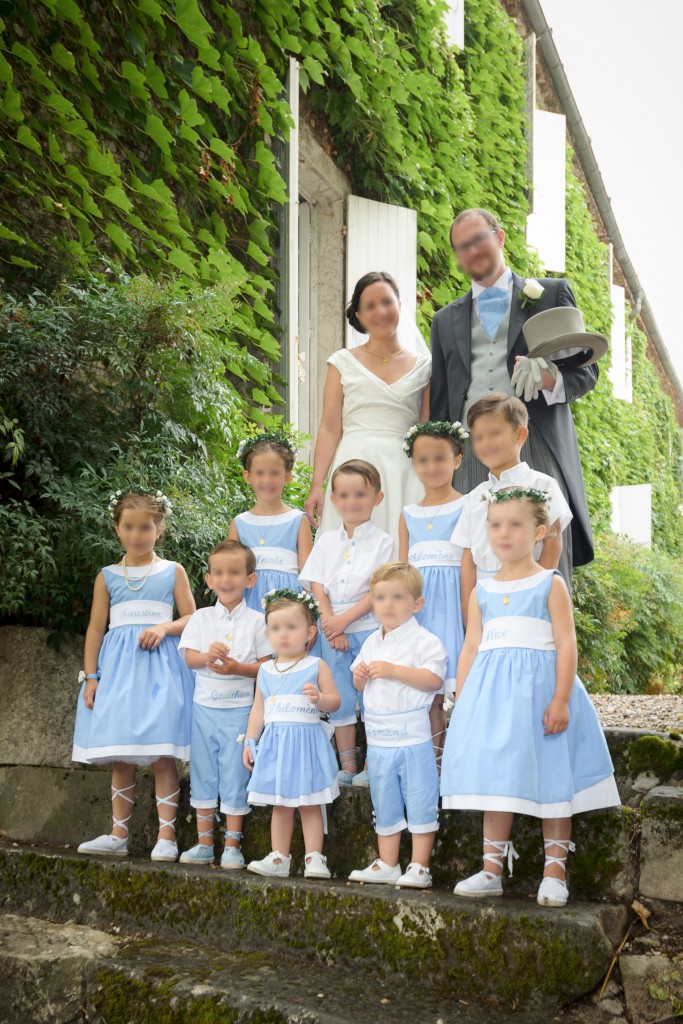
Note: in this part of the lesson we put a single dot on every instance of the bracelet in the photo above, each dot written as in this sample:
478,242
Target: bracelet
92,675
253,747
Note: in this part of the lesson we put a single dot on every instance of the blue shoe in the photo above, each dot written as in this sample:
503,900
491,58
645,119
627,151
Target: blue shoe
232,859
344,778
362,779
199,854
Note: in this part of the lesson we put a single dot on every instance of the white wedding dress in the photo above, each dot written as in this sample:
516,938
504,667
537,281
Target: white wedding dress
375,417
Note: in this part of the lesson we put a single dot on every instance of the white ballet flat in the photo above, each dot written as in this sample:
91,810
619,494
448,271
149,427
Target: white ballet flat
106,846
377,873
165,851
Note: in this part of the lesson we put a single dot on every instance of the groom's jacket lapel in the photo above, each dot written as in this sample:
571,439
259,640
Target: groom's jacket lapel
461,327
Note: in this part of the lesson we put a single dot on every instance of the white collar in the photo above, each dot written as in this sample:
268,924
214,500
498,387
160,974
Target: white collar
511,475
224,613
362,530
504,282
402,630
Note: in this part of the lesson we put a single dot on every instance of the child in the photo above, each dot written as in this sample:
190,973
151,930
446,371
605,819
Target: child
524,736
225,645
424,532
293,764
136,699
339,570
279,536
498,426
399,669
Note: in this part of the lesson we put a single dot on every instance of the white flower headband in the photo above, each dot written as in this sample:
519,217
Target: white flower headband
433,428
293,595
161,500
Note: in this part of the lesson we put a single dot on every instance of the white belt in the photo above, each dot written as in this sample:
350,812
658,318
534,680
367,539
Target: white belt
516,631
399,729
139,613
229,694
282,559
434,552
364,625
290,708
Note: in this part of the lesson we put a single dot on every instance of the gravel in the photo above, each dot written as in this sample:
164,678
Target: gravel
660,712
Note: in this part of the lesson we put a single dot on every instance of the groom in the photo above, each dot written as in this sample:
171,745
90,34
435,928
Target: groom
476,342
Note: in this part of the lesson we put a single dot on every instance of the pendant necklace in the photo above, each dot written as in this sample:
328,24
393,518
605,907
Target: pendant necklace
506,598
283,675
144,578
383,359
430,524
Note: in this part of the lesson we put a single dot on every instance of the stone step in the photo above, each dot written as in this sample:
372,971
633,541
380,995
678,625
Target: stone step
507,954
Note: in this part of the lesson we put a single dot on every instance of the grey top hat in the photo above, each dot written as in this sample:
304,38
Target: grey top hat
559,334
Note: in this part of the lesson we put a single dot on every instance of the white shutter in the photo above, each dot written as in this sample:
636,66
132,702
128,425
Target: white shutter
292,325
620,348
381,237
546,222
454,18
632,512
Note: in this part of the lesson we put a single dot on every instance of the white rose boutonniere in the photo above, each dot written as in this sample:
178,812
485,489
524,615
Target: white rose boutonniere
531,292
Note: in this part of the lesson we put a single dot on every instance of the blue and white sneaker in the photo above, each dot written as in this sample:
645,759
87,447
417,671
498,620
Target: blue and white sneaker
199,854
362,779
232,859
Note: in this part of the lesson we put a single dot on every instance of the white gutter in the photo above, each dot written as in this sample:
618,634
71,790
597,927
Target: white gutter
584,151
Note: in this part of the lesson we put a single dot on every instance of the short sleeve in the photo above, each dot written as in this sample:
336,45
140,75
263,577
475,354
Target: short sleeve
431,654
559,508
261,641
314,567
387,550
462,534
191,636
337,360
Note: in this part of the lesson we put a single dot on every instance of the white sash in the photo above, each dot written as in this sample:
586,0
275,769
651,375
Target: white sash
282,559
294,708
517,631
366,624
399,729
139,613
228,693
434,552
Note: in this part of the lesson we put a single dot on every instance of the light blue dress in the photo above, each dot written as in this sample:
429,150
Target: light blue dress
295,764
143,704
273,539
431,551
496,756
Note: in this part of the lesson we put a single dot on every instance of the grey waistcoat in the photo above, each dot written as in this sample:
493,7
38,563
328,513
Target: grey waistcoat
489,371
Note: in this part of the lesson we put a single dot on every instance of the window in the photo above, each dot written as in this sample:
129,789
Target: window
632,512
546,222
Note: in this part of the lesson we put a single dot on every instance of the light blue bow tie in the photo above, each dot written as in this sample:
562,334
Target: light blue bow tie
492,304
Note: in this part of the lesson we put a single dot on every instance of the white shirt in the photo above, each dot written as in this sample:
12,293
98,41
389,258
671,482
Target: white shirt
344,566
471,530
558,393
410,646
243,631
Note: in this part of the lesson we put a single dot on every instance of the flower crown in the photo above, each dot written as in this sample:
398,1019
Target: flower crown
161,499
293,595
434,428
515,494
247,443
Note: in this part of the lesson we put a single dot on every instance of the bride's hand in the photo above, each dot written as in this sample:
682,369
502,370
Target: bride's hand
314,505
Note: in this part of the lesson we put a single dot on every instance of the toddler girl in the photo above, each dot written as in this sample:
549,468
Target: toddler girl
524,737
135,705
293,765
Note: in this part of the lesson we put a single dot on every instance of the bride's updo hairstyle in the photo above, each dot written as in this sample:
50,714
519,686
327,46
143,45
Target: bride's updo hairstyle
361,284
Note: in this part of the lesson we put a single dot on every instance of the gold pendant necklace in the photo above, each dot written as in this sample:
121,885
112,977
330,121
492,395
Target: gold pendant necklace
283,674
384,359
144,578
506,598
430,524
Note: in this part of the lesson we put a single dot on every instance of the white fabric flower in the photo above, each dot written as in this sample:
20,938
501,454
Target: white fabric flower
532,288
241,738
81,676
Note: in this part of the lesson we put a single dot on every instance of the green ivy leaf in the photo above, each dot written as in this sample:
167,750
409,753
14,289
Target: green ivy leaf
135,77
120,238
25,137
182,261
11,104
63,57
115,194
155,128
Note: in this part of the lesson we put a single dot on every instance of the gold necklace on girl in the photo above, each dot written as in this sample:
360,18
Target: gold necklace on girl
144,578
430,524
284,674
506,597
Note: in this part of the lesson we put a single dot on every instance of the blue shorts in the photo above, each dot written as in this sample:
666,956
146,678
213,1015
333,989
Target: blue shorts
404,787
339,663
216,768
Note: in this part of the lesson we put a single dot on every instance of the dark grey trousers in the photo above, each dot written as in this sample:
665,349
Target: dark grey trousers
539,457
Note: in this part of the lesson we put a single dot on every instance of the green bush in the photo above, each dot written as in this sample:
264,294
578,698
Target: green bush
628,607
108,386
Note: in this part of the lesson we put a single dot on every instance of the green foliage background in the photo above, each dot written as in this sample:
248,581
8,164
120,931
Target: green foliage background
144,131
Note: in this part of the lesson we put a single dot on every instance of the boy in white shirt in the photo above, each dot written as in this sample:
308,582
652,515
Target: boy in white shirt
498,426
400,668
338,571
224,644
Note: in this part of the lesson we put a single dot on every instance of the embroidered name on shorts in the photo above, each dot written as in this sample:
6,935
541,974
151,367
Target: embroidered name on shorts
232,696
387,734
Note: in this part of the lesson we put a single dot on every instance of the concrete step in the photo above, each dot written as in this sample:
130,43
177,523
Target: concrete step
508,954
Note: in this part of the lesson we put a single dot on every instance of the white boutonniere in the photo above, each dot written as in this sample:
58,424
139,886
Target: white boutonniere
531,293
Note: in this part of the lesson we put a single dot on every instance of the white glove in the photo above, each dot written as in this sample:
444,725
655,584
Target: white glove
527,377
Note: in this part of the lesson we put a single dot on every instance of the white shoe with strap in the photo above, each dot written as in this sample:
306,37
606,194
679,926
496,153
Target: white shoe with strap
553,892
416,876
111,845
489,883
166,849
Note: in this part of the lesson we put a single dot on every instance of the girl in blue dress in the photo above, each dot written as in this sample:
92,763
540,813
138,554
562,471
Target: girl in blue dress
279,536
287,749
524,736
424,532
135,704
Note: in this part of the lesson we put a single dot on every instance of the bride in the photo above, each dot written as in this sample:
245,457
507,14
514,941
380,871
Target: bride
373,393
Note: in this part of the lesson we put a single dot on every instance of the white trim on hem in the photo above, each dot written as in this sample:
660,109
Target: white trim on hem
391,830
600,795
417,830
323,796
142,754
236,811
347,720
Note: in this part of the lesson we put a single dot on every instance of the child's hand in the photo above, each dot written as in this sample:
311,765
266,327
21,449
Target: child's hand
89,692
380,669
151,637
340,643
217,652
333,625
248,758
229,667
312,692
556,716
360,675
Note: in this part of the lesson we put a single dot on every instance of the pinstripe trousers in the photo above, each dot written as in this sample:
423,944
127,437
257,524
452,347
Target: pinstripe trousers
540,458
